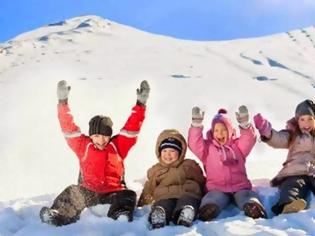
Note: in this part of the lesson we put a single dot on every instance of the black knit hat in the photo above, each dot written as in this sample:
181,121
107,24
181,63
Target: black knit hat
306,107
171,143
101,125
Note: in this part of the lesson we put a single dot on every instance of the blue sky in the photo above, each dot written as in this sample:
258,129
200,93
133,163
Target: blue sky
186,19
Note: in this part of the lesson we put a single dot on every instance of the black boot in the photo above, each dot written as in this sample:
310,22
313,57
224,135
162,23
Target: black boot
49,216
124,211
158,217
209,212
186,216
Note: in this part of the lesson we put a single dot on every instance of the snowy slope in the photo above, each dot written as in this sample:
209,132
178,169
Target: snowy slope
104,62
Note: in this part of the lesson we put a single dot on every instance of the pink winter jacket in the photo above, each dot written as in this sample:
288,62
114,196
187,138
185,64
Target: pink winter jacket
224,164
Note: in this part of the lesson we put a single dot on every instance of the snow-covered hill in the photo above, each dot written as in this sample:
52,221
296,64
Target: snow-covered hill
104,62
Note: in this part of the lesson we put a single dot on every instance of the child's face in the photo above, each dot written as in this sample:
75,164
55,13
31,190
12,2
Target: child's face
220,133
100,141
169,155
306,123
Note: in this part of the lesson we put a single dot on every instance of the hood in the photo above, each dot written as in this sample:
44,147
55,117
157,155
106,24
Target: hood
171,133
222,117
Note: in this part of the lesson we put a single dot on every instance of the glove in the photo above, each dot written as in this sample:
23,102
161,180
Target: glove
197,117
63,90
263,126
143,93
242,117
310,169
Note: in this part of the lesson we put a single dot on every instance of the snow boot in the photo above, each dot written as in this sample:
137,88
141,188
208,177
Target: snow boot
49,216
158,218
122,213
186,216
294,206
254,210
209,212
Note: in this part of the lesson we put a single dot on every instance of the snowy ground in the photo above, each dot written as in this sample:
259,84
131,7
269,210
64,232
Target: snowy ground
20,217
104,62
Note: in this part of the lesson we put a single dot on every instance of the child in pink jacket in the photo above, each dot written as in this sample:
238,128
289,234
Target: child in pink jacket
223,156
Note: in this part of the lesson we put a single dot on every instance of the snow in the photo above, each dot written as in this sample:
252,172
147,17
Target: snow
104,63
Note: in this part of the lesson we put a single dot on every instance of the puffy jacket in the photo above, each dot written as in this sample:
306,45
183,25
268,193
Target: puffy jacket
224,164
301,153
182,177
102,170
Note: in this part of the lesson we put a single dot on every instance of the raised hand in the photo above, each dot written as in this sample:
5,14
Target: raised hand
62,90
197,117
242,117
263,125
143,93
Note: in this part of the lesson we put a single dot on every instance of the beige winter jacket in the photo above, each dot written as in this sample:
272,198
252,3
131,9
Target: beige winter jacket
301,153
183,177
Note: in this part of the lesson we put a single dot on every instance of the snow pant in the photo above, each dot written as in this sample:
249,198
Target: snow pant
222,199
173,206
74,199
293,188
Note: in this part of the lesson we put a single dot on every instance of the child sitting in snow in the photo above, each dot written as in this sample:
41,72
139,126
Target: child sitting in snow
223,156
296,178
174,184
101,162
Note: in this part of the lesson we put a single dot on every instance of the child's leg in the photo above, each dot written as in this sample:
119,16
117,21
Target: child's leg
212,204
122,203
293,194
248,201
67,207
161,212
185,210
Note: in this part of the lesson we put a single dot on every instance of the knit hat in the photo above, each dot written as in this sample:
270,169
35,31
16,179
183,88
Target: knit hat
222,117
306,107
171,143
101,125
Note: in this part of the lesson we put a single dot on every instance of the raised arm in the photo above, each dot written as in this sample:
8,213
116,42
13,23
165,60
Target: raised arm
276,139
247,138
127,136
76,141
196,143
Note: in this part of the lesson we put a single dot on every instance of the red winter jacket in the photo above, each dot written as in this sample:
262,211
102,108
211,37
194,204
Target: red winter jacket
102,170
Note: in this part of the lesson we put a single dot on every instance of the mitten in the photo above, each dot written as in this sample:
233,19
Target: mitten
197,117
242,117
263,126
63,91
145,200
143,93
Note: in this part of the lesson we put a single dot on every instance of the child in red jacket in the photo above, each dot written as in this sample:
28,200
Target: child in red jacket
101,159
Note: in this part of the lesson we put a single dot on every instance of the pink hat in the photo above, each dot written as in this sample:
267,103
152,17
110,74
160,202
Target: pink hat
222,117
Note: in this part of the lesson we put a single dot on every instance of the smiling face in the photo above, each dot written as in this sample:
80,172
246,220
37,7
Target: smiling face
306,123
169,155
100,141
220,133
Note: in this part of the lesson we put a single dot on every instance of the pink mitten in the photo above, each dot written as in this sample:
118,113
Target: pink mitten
263,126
